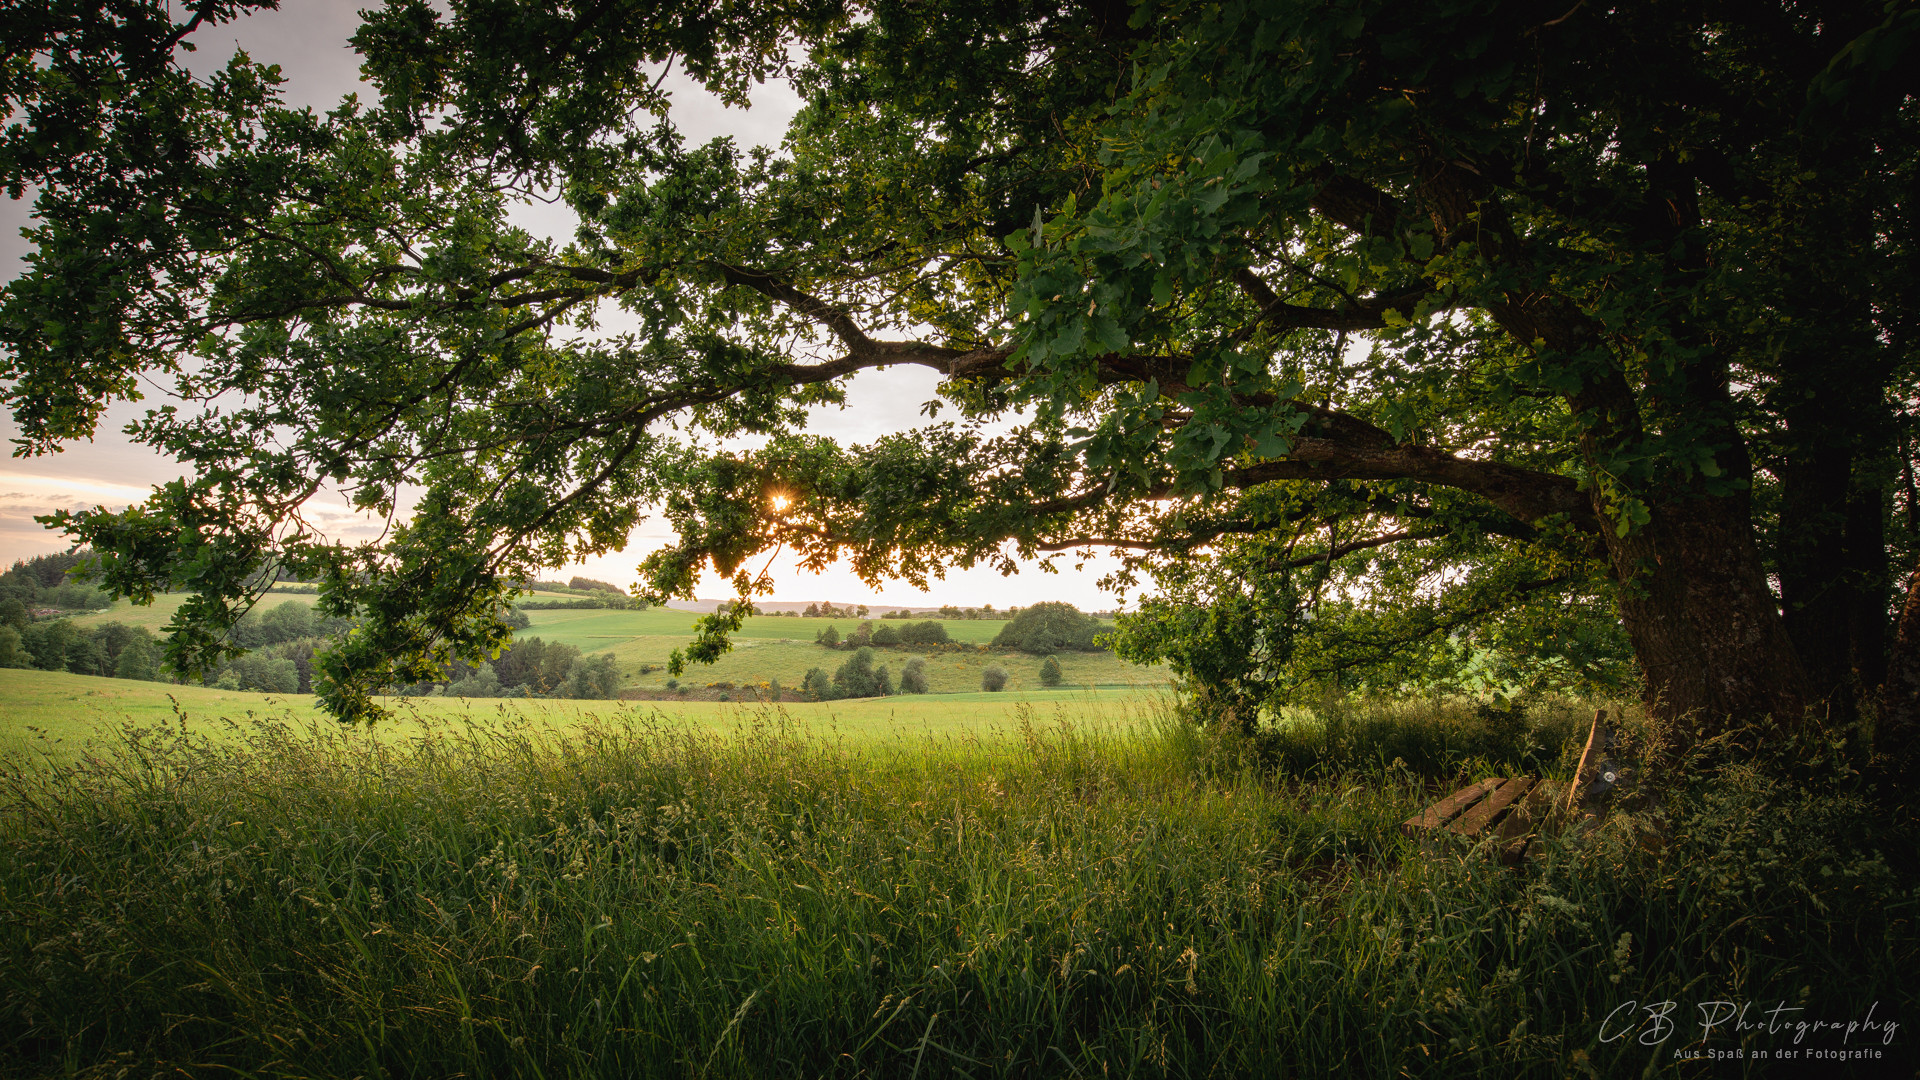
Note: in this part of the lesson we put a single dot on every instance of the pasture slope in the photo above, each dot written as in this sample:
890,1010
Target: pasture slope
62,714
768,647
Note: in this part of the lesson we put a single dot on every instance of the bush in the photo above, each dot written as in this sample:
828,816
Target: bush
818,685
828,637
886,635
1050,672
483,682
994,679
12,653
74,596
597,678
139,660
913,677
857,677
927,632
1049,627
860,638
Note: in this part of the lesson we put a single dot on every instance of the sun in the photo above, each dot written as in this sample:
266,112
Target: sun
780,503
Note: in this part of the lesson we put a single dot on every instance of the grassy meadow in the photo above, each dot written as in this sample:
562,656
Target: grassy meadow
1089,888
60,714
768,648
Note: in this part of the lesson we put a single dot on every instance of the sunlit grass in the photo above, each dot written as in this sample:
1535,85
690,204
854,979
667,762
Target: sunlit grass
1068,893
61,713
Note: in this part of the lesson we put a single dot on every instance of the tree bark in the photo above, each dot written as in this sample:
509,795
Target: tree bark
1866,557
1810,543
1897,735
1704,624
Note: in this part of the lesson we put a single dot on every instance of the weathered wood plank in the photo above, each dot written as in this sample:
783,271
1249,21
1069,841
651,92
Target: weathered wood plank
1539,802
1482,815
1450,807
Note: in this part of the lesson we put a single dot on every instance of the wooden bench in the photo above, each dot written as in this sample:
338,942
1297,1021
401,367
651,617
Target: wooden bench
1509,810
1505,810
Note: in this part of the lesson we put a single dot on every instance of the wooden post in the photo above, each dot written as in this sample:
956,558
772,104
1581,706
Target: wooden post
1598,739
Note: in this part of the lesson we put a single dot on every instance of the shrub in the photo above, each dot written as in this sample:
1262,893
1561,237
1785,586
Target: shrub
994,679
483,682
860,638
857,678
1049,627
913,677
886,635
1050,672
927,632
139,660
595,678
828,637
818,685
12,653
536,666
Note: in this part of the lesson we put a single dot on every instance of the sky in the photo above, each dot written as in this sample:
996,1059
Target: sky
308,40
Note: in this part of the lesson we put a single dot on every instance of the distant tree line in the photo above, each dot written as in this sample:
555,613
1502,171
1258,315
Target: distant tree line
870,633
828,611
111,649
608,601
280,641
35,595
40,585
530,667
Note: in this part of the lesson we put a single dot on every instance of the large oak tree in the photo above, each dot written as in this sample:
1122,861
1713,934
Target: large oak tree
1358,325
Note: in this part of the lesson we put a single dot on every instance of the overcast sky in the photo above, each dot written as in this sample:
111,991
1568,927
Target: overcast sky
308,41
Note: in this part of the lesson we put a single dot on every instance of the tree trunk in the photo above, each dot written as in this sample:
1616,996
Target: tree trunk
1705,626
1897,735
1866,556
1815,587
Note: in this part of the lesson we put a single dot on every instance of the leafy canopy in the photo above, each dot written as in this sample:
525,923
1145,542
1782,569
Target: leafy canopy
1370,329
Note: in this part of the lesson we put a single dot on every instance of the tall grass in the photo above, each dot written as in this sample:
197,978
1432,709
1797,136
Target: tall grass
634,899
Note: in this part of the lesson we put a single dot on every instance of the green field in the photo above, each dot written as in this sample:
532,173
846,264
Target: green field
65,713
580,627
156,615
617,893
766,648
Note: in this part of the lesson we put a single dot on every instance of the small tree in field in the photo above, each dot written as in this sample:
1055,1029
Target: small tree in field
828,637
1050,672
857,678
818,685
913,677
994,679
